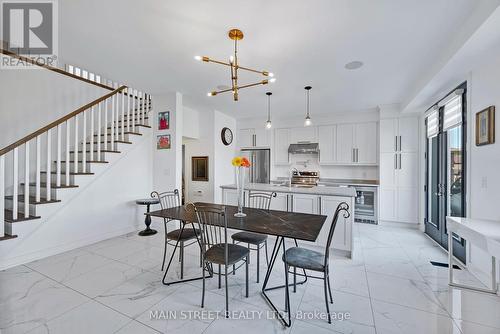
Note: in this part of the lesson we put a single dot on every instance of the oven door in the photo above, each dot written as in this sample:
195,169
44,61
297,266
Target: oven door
366,205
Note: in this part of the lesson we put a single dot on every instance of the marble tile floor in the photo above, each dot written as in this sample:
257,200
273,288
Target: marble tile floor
114,286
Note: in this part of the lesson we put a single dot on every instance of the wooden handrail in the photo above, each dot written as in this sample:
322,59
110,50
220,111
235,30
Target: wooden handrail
55,69
59,121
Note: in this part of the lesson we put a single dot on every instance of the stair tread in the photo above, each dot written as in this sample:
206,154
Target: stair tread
116,141
8,237
53,185
70,173
88,161
32,199
143,125
126,132
20,217
95,151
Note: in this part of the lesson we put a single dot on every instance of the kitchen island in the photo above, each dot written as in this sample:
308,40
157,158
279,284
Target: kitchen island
314,200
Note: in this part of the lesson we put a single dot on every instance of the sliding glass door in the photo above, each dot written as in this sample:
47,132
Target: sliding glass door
445,168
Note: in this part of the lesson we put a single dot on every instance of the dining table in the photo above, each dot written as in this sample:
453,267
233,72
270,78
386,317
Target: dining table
280,224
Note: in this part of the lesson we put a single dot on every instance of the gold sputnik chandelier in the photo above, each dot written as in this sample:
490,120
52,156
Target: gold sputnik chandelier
237,35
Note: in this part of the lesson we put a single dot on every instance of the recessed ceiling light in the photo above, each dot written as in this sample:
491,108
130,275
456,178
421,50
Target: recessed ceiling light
354,65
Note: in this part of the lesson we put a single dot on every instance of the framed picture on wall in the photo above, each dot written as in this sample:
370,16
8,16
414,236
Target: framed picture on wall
163,142
485,126
164,120
199,169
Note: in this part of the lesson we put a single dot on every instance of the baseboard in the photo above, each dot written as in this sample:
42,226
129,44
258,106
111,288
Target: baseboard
91,239
412,226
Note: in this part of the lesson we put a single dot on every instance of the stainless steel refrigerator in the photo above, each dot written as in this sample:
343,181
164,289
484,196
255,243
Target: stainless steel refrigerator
260,161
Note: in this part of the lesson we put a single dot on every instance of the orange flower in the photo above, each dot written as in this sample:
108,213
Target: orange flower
245,162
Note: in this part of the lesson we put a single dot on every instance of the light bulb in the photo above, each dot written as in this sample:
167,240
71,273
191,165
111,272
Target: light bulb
268,125
210,94
272,80
308,121
271,74
198,58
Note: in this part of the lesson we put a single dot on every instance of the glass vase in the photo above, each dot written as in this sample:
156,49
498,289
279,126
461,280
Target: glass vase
240,188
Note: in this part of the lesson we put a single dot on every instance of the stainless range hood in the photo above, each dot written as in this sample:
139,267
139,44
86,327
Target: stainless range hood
304,148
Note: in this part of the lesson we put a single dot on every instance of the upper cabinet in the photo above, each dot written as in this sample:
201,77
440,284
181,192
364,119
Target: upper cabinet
281,144
254,137
399,135
357,143
326,139
304,134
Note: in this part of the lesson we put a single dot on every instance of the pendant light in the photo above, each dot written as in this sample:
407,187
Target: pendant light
307,121
268,123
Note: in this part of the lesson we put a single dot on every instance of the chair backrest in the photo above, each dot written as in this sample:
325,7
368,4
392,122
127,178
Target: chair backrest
213,225
260,200
342,207
168,199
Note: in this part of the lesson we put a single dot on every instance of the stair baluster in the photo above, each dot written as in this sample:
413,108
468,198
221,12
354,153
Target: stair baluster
128,110
75,156
26,179
15,189
112,127
37,171
58,157
98,132
122,108
84,142
68,136
106,146
91,133
49,166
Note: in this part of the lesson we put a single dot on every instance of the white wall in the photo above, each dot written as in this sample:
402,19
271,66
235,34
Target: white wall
338,172
167,164
191,123
210,124
224,173
31,99
102,207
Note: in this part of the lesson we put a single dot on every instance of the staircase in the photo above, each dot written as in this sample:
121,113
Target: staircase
37,170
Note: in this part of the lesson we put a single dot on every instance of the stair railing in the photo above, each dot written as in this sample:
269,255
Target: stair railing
113,115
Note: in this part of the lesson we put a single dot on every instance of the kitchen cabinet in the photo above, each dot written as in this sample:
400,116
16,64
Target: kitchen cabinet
281,144
326,139
304,203
280,202
254,137
357,143
399,170
342,235
304,134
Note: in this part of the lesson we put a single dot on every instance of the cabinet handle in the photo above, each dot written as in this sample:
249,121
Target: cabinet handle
357,155
399,143
399,160
396,143
395,161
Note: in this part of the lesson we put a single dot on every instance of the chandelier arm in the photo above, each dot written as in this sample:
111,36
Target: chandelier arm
219,62
252,70
224,91
263,82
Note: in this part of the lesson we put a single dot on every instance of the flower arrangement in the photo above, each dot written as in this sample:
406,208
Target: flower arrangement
240,162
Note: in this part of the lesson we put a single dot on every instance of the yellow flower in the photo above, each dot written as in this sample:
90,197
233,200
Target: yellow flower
237,161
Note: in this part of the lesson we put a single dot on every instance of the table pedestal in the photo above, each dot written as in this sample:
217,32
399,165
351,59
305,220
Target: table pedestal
147,221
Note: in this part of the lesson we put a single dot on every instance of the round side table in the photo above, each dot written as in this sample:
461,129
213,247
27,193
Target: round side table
148,202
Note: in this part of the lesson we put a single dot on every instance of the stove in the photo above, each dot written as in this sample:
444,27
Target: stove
305,179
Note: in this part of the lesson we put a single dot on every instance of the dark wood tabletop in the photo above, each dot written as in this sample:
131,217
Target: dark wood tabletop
299,226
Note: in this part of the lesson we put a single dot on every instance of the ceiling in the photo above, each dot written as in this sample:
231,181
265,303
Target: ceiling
151,43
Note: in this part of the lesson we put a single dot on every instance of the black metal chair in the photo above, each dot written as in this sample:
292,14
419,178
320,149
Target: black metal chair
215,249
257,200
177,237
303,258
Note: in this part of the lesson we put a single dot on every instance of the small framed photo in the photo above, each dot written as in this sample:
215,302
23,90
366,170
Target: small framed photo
163,142
485,126
164,120
199,168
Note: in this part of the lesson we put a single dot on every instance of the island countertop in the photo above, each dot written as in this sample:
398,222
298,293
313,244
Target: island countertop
317,190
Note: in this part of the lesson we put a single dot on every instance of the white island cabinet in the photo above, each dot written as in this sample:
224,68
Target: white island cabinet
316,200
